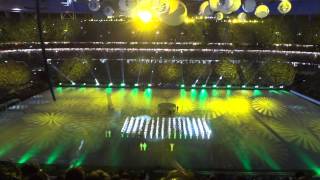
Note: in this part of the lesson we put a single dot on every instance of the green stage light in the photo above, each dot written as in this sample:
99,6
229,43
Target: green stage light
28,155
271,87
5,149
136,85
256,86
73,83
193,85
84,84
110,84
149,85
281,87
54,155
229,86
123,84
182,86
204,86
214,86
60,84
243,86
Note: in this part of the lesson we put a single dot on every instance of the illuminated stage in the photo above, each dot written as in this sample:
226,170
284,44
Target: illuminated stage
246,130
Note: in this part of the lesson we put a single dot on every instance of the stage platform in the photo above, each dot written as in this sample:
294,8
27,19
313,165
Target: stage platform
211,129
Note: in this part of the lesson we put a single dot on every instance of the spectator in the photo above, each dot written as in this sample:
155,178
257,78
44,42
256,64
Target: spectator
75,174
9,171
29,169
182,175
98,175
39,176
116,177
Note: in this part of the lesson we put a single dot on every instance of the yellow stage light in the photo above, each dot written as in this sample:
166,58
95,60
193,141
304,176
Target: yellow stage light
284,7
177,17
145,16
242,17
188,20
219,16
173,5
262,11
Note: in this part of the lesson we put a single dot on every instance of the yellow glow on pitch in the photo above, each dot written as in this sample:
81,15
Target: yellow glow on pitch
185,105
268,107
217,107
238,106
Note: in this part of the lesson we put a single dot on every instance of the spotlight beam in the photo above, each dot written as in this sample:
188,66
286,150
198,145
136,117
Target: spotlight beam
197,80
95,79
139,75
182,74
56,69
208,77
108,71
220,78
152,72
122,71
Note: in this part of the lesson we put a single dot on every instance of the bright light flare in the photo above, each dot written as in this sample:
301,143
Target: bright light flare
145,16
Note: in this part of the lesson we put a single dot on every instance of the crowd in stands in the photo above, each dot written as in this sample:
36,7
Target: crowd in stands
32,171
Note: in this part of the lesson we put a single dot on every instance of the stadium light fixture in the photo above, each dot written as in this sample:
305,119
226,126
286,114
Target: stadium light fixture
16,9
